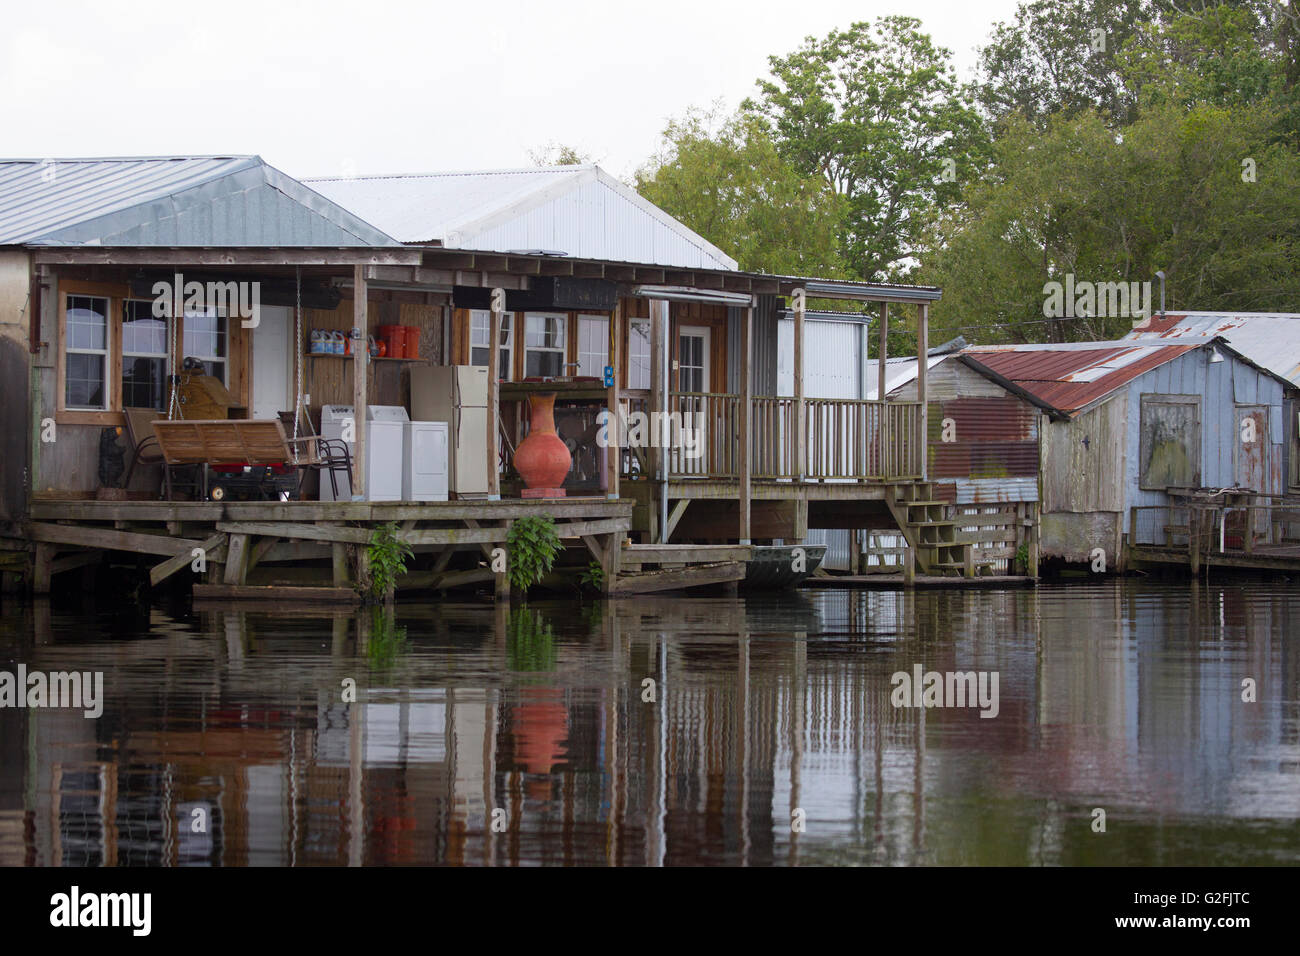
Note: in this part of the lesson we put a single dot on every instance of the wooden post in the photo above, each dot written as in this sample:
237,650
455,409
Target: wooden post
909,566
360,366
800,436
501,589
613,449
498,303
922,393
746,401
236,559
43,570
1034,538
658,398
882,350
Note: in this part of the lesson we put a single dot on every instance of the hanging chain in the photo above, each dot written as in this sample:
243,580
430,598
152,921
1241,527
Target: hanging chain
173,406
298,358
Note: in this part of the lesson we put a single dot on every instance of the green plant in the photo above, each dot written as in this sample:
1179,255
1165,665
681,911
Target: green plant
387,553
386,639
1022,556
593,577
530,642
532,544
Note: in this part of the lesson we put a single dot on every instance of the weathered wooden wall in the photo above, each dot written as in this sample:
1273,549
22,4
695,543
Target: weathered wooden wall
15,383
1083,460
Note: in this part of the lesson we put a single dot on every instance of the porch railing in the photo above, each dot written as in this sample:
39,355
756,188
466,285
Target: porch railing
844,439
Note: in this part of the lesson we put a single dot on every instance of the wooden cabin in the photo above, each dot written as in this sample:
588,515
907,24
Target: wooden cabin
83,251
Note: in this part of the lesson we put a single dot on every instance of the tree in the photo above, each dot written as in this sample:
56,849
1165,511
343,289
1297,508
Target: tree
723,177
876,112
558,154
1059,57
1174,192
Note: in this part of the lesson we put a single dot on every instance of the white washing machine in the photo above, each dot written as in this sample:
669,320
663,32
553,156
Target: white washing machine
424,462
385,449
333,419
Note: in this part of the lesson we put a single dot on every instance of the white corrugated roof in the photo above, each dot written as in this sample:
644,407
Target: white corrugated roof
580,211
169,200
1269,339
898,372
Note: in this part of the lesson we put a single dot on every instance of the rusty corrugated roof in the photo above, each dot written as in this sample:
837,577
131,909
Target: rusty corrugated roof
1072,377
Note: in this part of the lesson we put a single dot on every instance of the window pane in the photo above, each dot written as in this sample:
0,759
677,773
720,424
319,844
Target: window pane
84,381
142,334
545,331
638,354
205,335
593,345
142,382
87,322
543,363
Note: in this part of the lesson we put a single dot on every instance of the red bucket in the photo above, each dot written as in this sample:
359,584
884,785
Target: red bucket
394,337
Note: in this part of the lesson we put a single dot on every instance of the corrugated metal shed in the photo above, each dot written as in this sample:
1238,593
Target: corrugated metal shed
580,211
1269,339
170,201
1072,377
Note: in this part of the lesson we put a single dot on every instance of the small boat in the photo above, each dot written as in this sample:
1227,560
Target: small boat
782,566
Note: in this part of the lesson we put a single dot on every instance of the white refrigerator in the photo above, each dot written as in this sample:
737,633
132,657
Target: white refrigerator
458,395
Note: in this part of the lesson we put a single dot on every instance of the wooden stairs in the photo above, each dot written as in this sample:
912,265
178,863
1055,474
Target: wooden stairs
931,532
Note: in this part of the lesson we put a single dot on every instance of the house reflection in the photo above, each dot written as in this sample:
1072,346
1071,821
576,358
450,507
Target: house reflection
489,740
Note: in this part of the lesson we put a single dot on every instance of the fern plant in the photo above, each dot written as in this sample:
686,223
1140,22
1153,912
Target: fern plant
388,554
532,545
593,577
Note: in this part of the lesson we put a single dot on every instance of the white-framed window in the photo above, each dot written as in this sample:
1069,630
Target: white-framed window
480,341
544,344
593,345
207,338
85,379
638,353
144,356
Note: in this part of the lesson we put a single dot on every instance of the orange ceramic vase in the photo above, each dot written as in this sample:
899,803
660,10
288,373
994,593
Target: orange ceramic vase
542,459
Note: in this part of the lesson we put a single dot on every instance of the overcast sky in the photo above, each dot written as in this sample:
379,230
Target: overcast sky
326,88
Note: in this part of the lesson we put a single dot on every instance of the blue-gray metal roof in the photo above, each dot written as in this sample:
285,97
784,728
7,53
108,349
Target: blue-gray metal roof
170,201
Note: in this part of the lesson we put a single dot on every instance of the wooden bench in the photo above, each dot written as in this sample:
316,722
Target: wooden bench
244,442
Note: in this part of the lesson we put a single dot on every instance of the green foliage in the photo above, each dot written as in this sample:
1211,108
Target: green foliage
877,113
388,555
558,154
1022,557
1077,198
532,545
530,642
723,177
593,577
386,640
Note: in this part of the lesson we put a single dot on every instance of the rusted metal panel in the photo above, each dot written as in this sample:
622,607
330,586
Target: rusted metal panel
1070,378
990,491
983,438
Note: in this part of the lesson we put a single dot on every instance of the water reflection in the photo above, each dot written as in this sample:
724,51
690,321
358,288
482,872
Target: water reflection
665,731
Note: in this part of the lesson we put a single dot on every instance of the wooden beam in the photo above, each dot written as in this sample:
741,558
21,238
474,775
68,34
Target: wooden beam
658,396
43,569
107,539
675,516
922,374
882,351
442,536
595,548
800,437
260,550
686,553
78,559
679,578
236,554
184,557
613,450
498,302
746,403
360,367
277,593
340,256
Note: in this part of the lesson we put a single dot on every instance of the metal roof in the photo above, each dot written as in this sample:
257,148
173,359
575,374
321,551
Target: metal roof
1269,339
170,201
581,211
1071,377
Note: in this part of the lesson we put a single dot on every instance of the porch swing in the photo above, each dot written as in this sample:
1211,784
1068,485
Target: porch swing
248,458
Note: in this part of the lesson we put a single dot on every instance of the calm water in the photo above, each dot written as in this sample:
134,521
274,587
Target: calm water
1122,696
